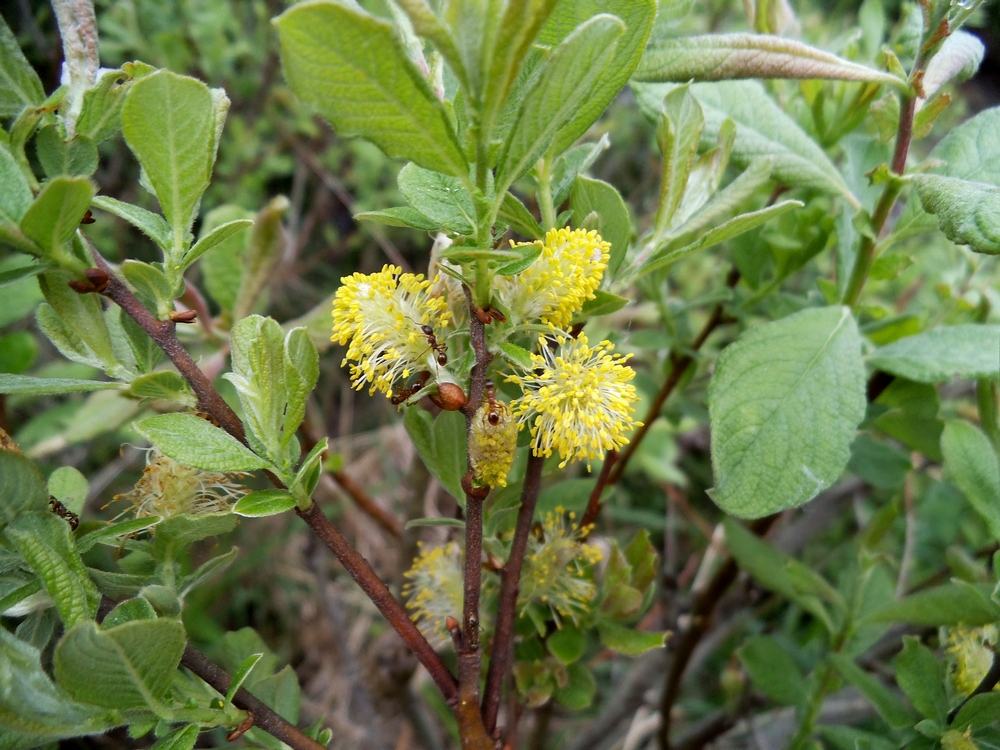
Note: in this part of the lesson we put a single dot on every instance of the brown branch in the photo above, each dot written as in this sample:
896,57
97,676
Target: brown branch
510,579
700,623
678,366
594,503
212,402
380,595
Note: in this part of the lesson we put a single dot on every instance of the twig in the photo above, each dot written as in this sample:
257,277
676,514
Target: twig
678,366
510,579
212,402
594,503
367,504
700,618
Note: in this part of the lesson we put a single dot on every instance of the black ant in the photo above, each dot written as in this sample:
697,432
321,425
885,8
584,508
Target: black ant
405,392
491,396
439,349
63,512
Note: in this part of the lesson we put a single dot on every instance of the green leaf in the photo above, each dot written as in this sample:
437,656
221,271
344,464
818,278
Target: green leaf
15,195
217,236
886,702
259,377
55,214
264,503
772,670
30,704
615,225
264,250
76,157
557,96
968,212
150,224
529,254
519,217
952,604
127,611
22,487
80,316
940,354
770,569
301,362
629,642
782,427
959,57
971,463
399,216
727,230
179,739
69,486
51,386
440,197
195,442
45,542
567,644
440,442
101,112
971,152
151,286
111,533
679,125
603,303
20,86
414,523
241,674
352,69
763,129
579,690
163,384
720,57
638,17
169,122
516,355
921,677
177,532
980,712
118,668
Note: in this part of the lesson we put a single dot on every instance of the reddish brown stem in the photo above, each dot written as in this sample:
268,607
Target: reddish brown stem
510,579
594,503
380,595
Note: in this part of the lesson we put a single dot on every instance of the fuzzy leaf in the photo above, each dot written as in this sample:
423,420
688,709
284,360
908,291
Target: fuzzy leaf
971,463
556,98
196,442
51,386
721,57
150,224
399,216
15,195
117,667
352,69
967,212
440,197
940,354
958,57
264,503
22,487
20,86
55,214
217,236
782,426
614,226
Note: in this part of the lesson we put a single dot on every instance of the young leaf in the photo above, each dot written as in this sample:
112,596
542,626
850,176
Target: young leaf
169,122
579,690
615,225
921,677
772,670
628,642
76,157
16,194
968,212
940,354
51,386
264,503
567,644
980,712
20,86
399,216
80,315
556,97
179,739
958,57
101,112
782,427
218,235
971,463
195,442
440,197
241,674
150,224
352,69
762,128
263,253
132,674
638,17
127,611
301,364
720,57
55,214
952,604
516,355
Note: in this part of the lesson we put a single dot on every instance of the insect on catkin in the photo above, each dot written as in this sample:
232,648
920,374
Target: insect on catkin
492,442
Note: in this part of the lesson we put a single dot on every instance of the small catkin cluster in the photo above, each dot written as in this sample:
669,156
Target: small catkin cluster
492,443
970,655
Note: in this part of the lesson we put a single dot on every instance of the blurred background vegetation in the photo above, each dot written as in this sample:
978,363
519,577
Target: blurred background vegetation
282,585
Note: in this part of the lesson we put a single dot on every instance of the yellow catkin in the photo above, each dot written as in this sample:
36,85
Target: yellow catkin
433,590
492,443
379,316
969,655
577,400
